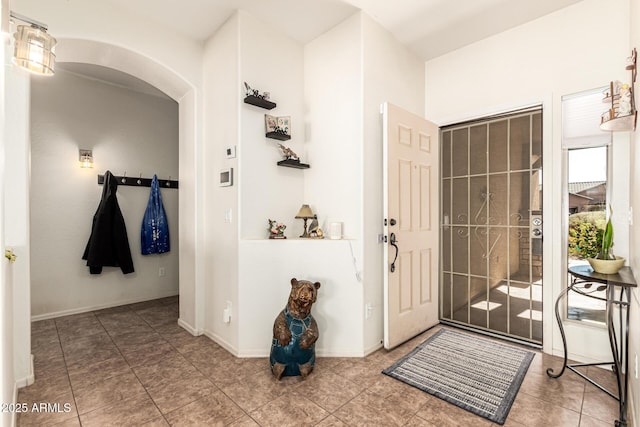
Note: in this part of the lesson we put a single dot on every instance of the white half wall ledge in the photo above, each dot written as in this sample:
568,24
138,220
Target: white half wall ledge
125,60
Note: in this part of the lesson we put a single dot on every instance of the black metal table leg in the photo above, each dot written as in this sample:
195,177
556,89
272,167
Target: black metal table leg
620,350
564,338
584,275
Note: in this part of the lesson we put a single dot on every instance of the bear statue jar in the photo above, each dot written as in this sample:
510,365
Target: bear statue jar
295,333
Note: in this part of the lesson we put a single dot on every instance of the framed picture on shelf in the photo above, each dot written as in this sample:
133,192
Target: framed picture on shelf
280,125
270,123
284,124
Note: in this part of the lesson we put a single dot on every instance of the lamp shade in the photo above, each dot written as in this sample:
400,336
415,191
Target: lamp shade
305,212
34,50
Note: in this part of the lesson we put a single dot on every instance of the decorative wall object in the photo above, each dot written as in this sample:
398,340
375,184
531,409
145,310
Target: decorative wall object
305,213
291,159
277,127
276,230
622,113
253,97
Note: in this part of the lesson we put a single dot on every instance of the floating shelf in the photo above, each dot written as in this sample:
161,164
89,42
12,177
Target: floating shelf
291,163
612,120
623,123
259,102
279,136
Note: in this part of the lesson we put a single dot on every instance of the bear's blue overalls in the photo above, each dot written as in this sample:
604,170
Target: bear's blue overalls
292,355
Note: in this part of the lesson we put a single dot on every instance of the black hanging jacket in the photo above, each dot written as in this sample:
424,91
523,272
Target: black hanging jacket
108,244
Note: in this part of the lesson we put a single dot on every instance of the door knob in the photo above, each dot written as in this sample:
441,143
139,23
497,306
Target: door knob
392,221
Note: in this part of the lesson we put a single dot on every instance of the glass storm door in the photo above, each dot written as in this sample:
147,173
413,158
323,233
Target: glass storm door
491,225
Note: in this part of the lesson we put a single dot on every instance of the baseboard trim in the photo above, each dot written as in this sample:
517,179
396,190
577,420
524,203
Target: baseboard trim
29,379
373,349
631,399
264,352
193,331
222,343
79,310
320,352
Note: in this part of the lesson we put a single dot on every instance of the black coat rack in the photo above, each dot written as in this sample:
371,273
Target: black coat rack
140,182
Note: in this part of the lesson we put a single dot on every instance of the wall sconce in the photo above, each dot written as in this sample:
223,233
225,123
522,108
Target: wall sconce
33,47
305,213
86,158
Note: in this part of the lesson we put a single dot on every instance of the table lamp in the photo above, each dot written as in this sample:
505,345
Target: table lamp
305,213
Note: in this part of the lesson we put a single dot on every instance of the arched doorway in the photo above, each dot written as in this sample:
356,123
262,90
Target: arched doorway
175,86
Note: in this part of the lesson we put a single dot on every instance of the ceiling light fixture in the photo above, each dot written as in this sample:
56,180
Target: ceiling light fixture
33,46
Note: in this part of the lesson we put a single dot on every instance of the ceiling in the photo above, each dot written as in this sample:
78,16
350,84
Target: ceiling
430,28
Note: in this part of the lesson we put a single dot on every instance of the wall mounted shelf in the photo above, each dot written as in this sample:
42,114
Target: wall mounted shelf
622,114
278,135
259,102
291,163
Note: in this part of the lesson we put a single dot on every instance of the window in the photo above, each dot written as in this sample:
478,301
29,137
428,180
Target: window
586,151
587,197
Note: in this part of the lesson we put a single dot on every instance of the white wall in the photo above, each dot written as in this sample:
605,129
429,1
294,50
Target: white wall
272,62
333,89
129,132
581,47
333,99
221,88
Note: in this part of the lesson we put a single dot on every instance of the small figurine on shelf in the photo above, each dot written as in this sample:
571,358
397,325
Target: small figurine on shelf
624,105
249,91
276,230
255,92
315,232
288,153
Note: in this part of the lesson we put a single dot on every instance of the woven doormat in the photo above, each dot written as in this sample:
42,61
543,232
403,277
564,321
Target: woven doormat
474,373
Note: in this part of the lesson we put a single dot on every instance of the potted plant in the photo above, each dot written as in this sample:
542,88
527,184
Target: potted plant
606,262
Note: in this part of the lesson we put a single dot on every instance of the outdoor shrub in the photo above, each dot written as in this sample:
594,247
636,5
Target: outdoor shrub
585,234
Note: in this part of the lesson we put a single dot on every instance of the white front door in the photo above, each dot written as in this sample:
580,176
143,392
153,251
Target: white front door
411,224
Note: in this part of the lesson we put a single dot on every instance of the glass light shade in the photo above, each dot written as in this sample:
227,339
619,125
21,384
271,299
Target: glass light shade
86,162
305,212
86,158
34,50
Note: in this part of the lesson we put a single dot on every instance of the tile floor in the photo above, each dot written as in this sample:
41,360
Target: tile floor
133,365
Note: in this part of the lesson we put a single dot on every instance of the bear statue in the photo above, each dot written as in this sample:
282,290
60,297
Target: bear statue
295,333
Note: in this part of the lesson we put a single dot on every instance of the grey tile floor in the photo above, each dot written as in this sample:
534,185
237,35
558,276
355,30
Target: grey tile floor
133,365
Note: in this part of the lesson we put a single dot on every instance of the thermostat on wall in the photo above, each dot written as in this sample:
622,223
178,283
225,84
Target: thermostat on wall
226,177
230,152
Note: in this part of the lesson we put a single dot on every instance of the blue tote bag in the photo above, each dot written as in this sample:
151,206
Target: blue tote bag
154,236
